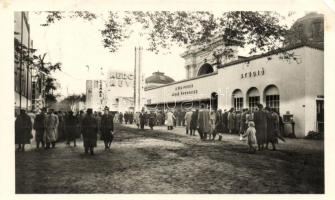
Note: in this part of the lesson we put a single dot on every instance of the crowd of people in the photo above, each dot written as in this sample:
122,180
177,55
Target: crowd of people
260,126
52,127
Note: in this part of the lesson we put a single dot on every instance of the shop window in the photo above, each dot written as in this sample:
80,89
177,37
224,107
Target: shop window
237,99
272,101
253,103
272,97
238,103
253,98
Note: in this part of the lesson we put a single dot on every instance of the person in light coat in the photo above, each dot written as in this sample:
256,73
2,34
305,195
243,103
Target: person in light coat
188,118
51,125
203,121
212,120
250,134
170,119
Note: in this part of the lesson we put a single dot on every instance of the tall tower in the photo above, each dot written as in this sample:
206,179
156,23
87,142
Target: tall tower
138,78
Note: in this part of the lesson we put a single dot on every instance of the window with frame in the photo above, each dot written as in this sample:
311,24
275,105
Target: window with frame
238,103
253,102
272,101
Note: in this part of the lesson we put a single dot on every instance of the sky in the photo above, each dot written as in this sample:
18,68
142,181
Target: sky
77,43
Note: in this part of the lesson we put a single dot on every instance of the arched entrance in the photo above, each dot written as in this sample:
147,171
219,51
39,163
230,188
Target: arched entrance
205,69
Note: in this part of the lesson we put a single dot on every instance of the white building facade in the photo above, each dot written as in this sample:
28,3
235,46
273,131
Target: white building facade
293,85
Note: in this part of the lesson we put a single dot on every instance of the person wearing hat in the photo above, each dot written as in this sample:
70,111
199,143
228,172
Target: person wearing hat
71,124
39,126
152,119
89,131
23,127
142,118
51,125
107,128
261,122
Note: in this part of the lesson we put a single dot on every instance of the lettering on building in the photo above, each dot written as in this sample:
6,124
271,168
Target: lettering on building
180,90
120,79
253,74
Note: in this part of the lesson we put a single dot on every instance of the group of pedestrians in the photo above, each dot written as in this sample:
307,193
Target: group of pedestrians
260,126
48,127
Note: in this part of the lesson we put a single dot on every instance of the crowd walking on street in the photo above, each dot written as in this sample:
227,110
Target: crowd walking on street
52,127
259,126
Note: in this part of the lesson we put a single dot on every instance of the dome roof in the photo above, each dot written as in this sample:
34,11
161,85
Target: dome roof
159,78
308,29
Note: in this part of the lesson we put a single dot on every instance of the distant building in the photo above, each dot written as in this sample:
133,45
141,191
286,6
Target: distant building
116,92
157,79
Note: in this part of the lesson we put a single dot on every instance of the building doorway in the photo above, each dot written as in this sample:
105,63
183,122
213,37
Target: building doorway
320,115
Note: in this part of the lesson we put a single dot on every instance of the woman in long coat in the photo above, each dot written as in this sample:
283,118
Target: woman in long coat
51,124
261,122
71,125
237,121
271,128
89,131
194,121
170,118
23,127
107,128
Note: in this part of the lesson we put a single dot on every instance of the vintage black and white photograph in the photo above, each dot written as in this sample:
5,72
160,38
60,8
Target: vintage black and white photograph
169,101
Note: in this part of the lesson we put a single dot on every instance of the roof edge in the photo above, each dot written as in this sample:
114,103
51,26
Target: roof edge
277,51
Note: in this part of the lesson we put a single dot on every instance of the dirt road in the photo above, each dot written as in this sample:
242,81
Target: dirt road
164,162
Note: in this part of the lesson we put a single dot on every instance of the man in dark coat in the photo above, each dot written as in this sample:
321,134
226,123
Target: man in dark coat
71,125
152,120
142,118
120,117
39,126
203,122
261,122
131,117
107,128
23,127
219,125
89,131
194,122
225,121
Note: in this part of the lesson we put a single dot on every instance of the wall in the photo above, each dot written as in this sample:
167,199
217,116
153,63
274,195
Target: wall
314,82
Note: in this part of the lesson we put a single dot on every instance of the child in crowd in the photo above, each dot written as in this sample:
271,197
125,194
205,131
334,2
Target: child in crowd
250,133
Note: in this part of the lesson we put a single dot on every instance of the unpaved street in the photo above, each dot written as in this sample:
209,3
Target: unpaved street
171,162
